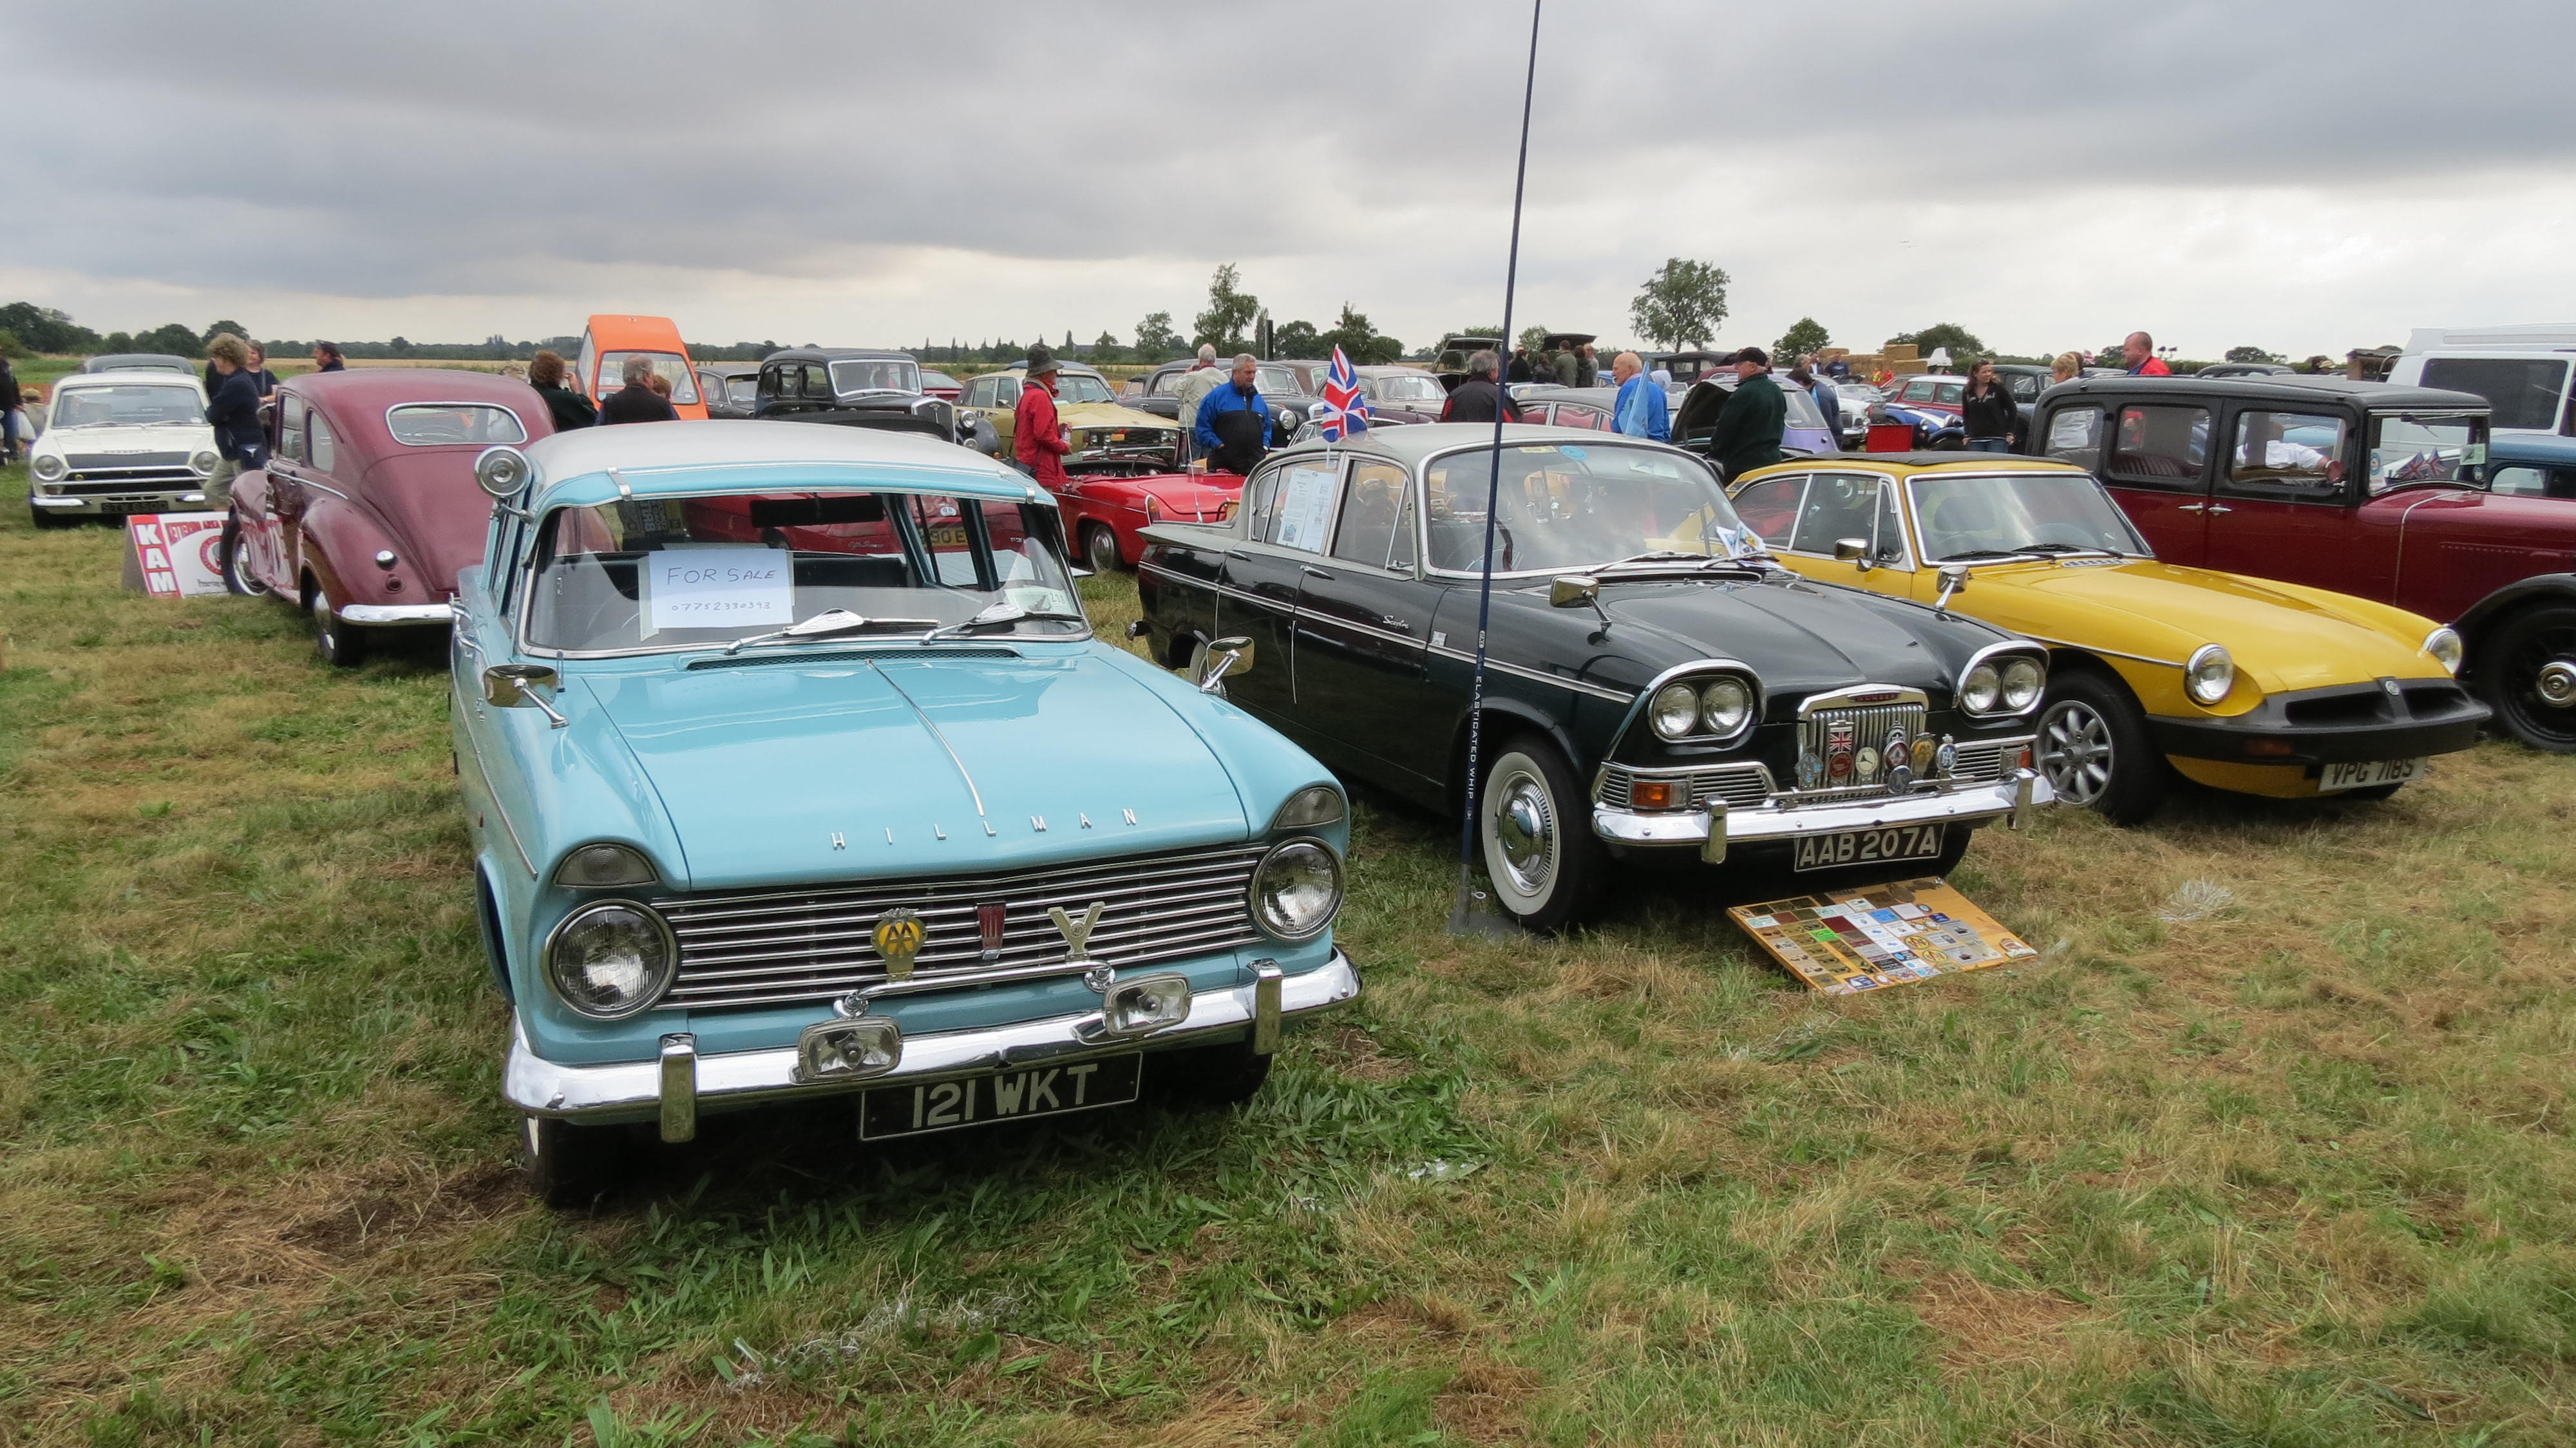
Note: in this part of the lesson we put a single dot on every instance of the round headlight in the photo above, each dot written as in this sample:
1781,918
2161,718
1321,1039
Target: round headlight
1675,711
2209,675
1297,890
1726,706
2444,646
204,462
611,960
1981,690
2023,679
48,466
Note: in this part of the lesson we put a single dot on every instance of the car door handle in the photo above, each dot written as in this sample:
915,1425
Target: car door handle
1311,571
2191,507
2217,508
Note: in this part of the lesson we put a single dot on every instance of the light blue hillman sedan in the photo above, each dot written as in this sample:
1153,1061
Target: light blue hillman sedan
793,768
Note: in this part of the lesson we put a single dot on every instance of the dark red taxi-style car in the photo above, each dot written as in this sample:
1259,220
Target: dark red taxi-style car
2360,487
368,506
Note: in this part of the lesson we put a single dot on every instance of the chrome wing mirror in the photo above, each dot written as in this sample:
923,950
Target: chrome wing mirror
1218,659
1854,551
523,686
1578,590
1954,581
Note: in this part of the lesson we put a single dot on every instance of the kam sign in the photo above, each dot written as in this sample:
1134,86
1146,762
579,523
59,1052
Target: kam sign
176,555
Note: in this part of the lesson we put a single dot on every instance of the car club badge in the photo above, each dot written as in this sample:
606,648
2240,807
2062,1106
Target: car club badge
991,918
1865,767
1947,756
898,940
1924,744
1838,751
1811,770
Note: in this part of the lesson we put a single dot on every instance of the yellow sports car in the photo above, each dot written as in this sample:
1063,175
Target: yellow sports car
2239,683
1107,438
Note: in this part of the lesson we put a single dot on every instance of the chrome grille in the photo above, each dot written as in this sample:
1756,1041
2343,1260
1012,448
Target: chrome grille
85,485
782,947
1870,726
1742,786
84,462
1983,761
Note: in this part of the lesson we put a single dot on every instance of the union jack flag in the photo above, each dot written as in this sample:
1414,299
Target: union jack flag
1345,410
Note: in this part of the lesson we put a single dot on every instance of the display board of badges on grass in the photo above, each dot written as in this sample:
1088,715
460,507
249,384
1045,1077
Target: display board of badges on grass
1848,941
718,588
176,555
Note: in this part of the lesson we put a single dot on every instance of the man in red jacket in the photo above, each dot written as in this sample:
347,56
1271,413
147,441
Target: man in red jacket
1037,439
2139,353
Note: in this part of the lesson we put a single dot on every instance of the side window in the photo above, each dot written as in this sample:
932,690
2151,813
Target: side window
1838,506
1260,503
2161,447
818,382
1164,382
2520,480
2292,456
1400,557
1887,536
2025,387
1369,509
2075,436
1303,516
323,450
290,427
1770,507
1574,415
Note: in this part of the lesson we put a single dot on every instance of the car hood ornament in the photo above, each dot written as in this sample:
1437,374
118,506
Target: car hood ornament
1077,935
898,940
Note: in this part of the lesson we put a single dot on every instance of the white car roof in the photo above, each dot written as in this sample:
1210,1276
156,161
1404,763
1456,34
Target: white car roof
639,446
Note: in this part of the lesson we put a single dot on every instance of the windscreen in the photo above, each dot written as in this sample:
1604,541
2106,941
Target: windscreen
2425,448
1973,517
876,374
1566,507
1276,381
433,424
1407,388
674,572
140,404
669,366
1081,387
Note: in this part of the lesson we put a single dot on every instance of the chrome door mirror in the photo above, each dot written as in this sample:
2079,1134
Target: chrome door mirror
502,472
1578,590
1218,659
1954,581
1854,551
523,686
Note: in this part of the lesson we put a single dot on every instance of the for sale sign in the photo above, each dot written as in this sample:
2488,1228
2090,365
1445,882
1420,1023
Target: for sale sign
178,554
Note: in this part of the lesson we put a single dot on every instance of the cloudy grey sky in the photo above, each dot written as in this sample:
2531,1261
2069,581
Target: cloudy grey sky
2307,176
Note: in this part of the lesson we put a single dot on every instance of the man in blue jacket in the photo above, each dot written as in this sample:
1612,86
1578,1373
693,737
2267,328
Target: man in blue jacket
1233,429
1642,409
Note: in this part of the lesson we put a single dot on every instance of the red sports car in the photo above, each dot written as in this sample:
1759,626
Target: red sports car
1102,515
368,506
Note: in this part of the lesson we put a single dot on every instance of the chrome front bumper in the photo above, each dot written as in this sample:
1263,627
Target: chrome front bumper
1707,829
393,615
93,502
681,1084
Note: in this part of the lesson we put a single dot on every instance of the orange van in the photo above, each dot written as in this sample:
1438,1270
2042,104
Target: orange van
608,341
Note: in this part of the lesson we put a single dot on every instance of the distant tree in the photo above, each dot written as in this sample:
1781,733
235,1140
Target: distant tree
1533,337
116,342
1297,339
226,325
176,338
1106,349
2253,354
1805,335
1963,344
1681,305
10,346
1229,315
1358,340
1155,339
46,330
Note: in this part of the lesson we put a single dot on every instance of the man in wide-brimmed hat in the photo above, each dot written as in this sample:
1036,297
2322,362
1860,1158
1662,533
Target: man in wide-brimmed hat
1038,441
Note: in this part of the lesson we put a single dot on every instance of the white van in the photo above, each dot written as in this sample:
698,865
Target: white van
2528,372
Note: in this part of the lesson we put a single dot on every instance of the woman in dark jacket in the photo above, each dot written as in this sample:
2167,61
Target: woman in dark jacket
1988,410
570,408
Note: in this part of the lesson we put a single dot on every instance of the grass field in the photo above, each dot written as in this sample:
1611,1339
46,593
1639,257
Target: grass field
2293,1170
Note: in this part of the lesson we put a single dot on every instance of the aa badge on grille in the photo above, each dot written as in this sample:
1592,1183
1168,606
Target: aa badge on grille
898,940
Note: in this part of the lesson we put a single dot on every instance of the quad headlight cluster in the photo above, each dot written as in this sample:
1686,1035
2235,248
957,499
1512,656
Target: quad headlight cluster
2003,684
1719,708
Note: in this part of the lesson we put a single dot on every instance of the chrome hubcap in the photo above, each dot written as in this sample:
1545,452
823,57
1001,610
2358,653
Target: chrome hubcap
2075,751
1520,821
2557,684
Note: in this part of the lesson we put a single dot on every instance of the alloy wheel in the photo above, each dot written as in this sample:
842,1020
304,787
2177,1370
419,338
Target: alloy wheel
2075,754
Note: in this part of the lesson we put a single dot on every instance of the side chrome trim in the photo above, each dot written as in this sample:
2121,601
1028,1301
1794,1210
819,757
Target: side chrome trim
2098,649
483,778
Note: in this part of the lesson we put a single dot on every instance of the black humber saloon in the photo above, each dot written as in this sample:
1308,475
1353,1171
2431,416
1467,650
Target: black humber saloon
1657,685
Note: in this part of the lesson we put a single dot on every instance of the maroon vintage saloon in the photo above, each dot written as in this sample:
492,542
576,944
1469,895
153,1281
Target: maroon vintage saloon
368,506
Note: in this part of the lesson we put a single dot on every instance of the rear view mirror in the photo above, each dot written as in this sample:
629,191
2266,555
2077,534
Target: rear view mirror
1954,581
1574,590
522,686
503,472
1854,551
1218,659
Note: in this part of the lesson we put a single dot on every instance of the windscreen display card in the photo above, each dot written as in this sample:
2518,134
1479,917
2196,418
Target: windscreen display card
1844,942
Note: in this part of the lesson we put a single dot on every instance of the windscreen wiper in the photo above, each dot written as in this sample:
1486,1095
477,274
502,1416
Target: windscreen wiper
1002,613
2063,549
823,625
1966,554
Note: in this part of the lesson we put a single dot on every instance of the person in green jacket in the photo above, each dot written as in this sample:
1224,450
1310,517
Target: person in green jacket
1748,427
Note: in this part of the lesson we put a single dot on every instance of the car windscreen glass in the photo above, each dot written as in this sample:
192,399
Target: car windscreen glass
651,573
1570,506
432,424
1079,387
876,374
1276,381
1407,389
141,404
2425,448
2525,391
742,391
666,365
2006,513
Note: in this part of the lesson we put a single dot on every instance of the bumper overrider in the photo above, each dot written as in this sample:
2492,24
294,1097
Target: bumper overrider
1712,828
2339,724
857,1053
